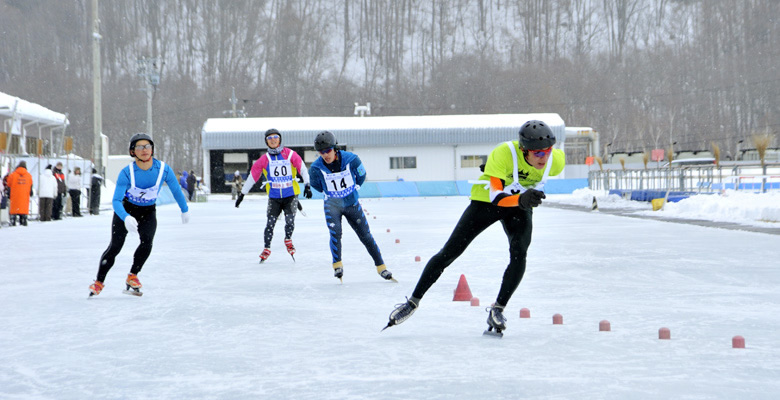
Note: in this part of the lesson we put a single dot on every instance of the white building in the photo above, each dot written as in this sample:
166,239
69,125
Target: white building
410,148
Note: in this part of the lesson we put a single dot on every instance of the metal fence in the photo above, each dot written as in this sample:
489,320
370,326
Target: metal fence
691,178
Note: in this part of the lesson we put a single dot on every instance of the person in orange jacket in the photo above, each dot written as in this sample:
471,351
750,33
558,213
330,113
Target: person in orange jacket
20,183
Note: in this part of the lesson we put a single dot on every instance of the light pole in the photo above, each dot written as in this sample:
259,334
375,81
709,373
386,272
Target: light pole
97,113
149,69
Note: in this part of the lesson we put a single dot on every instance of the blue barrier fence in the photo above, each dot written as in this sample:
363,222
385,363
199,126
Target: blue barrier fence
418,189
447,188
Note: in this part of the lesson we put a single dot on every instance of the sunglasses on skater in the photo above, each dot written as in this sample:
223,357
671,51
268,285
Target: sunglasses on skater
143,147
541,153
270,137
326,151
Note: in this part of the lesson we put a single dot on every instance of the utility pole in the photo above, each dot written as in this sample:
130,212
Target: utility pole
234,101
149,70
235,113
97,112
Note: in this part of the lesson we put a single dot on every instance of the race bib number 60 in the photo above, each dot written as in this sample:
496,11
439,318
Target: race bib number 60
280,174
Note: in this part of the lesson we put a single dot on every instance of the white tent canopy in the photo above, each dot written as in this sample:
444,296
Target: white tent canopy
16,108
19,116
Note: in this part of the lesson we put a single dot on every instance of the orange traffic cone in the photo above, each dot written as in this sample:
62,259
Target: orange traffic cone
462,292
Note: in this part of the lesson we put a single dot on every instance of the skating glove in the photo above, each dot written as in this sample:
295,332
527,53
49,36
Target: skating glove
239,199
530,198
131,224
185,217
307,191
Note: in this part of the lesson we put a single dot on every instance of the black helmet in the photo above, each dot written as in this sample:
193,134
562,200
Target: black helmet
536,135
137,137
273,132
324,140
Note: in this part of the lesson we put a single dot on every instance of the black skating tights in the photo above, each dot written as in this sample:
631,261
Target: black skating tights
275,208
478,217
147,226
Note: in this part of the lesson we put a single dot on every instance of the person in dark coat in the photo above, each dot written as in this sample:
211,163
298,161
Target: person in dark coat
94,192
62,190
192,182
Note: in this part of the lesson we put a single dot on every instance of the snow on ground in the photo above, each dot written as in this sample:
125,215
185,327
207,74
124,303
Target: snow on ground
739,207
215,324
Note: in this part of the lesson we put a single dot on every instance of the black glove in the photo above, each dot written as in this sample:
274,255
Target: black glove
482,167
307,191
239,199
530,198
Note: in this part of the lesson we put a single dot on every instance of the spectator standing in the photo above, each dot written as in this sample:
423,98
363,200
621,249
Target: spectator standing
236,185
20,183
74,190
94,192
192,184
47,189
62,189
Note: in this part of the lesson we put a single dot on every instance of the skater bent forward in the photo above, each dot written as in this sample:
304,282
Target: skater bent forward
509,189
339,174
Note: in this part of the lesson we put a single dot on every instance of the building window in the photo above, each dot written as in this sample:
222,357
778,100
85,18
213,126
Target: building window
472,161
235,162
403,162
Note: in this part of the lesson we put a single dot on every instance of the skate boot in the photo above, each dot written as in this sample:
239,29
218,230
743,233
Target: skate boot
384,273
95,288
401,313
264,255
133,285
338,270
290,248
496,320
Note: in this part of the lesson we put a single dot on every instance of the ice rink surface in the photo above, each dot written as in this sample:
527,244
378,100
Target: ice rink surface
214,324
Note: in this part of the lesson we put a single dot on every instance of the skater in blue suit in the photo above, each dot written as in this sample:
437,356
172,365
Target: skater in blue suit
338,175
134,201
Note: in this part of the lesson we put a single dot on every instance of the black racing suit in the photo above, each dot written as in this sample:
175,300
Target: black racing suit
478,216
147,226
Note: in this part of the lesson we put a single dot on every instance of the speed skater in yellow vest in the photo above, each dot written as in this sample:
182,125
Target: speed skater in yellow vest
338,175
279,170
511,186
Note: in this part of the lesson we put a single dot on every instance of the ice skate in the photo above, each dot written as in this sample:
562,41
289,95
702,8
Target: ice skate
401,313
95,288
338,270
496,321
133,285
264,255
384,273
290,248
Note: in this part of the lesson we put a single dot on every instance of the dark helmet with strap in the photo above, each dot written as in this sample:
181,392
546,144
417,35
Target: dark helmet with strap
536,135
324,140
137,137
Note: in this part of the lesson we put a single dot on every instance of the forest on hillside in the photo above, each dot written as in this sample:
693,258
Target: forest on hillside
644,73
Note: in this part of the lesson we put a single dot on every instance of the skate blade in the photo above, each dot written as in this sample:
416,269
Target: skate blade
293,257
392,280
133,292
389,324
495,334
